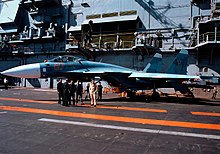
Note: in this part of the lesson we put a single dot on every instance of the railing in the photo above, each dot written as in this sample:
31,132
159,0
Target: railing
113,41
21,36
209,36
105,41
127,44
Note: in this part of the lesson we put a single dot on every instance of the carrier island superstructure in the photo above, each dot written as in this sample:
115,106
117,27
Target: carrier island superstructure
123,32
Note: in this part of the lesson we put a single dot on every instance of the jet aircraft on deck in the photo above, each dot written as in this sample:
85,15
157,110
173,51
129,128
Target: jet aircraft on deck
117,76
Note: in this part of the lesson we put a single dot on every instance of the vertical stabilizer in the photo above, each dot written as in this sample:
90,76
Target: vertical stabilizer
155,64
180,63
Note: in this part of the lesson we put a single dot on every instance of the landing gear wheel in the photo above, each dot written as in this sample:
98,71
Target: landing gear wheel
130,94
155,95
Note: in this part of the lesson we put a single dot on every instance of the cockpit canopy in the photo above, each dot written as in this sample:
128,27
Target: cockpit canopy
66,58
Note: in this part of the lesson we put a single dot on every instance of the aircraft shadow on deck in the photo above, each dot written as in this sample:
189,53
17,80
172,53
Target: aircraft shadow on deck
185,100
34,82
174,100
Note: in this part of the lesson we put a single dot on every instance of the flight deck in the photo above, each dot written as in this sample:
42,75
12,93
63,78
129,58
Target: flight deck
31,121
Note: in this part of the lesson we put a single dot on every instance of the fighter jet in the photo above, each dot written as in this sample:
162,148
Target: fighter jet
117,76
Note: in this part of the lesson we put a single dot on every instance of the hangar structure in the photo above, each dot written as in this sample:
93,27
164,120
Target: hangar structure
122,32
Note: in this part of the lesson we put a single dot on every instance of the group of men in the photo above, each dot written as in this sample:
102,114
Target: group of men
68,91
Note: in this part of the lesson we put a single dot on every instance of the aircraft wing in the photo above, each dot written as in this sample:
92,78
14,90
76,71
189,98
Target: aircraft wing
85,72
97,71
162,76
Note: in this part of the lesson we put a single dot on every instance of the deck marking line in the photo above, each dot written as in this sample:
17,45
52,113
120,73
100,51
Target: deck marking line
100,106
114,118
26,100
143,130
129,108
206,114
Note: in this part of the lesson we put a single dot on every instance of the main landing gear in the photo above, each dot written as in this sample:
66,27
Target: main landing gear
155,94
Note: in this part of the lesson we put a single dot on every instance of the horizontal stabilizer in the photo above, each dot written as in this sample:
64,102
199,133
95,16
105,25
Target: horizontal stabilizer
162,76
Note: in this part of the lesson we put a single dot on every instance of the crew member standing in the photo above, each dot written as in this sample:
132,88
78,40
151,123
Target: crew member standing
73,91
60,91
92,91
215,92
79,90
87,91
100,91
6,83
67,97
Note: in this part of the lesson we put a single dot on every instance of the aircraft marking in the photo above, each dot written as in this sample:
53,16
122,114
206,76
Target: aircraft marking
206,114
178,62
133,129
168,123
27,100
58,66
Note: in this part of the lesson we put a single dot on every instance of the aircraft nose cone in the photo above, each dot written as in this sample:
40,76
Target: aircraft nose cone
24,71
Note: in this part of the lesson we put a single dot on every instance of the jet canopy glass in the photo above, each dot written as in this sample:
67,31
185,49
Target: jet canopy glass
66,58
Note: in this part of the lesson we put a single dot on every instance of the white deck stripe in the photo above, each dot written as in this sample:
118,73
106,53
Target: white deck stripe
155,131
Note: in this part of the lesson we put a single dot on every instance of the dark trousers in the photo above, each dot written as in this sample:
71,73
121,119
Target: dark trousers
79,95
73,97
6,86
60,97
99,95
67,99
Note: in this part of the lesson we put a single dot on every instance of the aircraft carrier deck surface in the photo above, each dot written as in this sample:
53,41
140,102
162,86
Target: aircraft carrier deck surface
31,121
